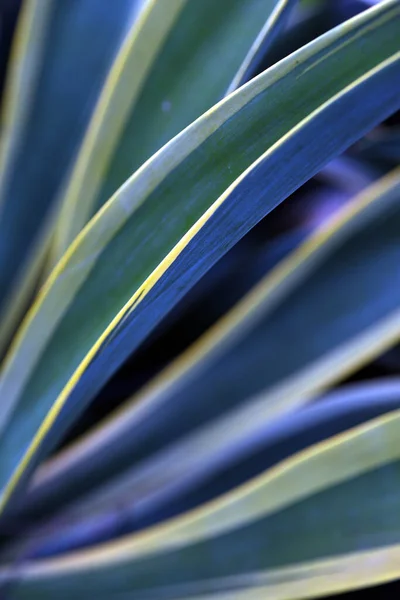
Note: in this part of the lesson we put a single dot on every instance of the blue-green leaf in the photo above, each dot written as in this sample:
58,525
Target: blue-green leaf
54,79
180,59
178,215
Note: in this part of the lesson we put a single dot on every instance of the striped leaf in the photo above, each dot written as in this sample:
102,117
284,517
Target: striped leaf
178,214
157,490
180,58
53,82
260,540
300,330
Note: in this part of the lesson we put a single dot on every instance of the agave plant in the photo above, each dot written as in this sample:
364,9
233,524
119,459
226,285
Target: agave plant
199,246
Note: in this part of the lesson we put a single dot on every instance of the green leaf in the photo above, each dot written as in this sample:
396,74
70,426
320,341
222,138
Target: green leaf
263,538
199,468
300,330
49,98
180,58
178,215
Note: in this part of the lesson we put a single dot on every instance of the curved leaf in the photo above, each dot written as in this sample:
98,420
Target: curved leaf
186,474
215,173
49,102
194,52
264,536
298,331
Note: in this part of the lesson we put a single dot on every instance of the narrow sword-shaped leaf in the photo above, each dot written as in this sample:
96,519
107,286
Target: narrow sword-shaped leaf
256,254
26,58
265,534
184,475
299,331
228,169
50,99
195,51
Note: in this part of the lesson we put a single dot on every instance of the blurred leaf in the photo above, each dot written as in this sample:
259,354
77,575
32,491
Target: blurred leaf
22,83
180,478
207,188
305,23
297,332
263,538
9,11
381,145
53,82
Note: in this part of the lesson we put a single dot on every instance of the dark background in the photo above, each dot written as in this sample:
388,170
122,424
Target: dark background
187,321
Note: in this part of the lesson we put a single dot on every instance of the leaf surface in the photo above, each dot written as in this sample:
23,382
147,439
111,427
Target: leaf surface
207,188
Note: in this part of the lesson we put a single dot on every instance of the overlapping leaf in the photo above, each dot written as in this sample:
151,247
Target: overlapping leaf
262,539
281,335
179,213
276,349
52,66
182,58
159,488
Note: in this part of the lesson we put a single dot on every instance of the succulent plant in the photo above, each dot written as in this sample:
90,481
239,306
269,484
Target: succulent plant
199,255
